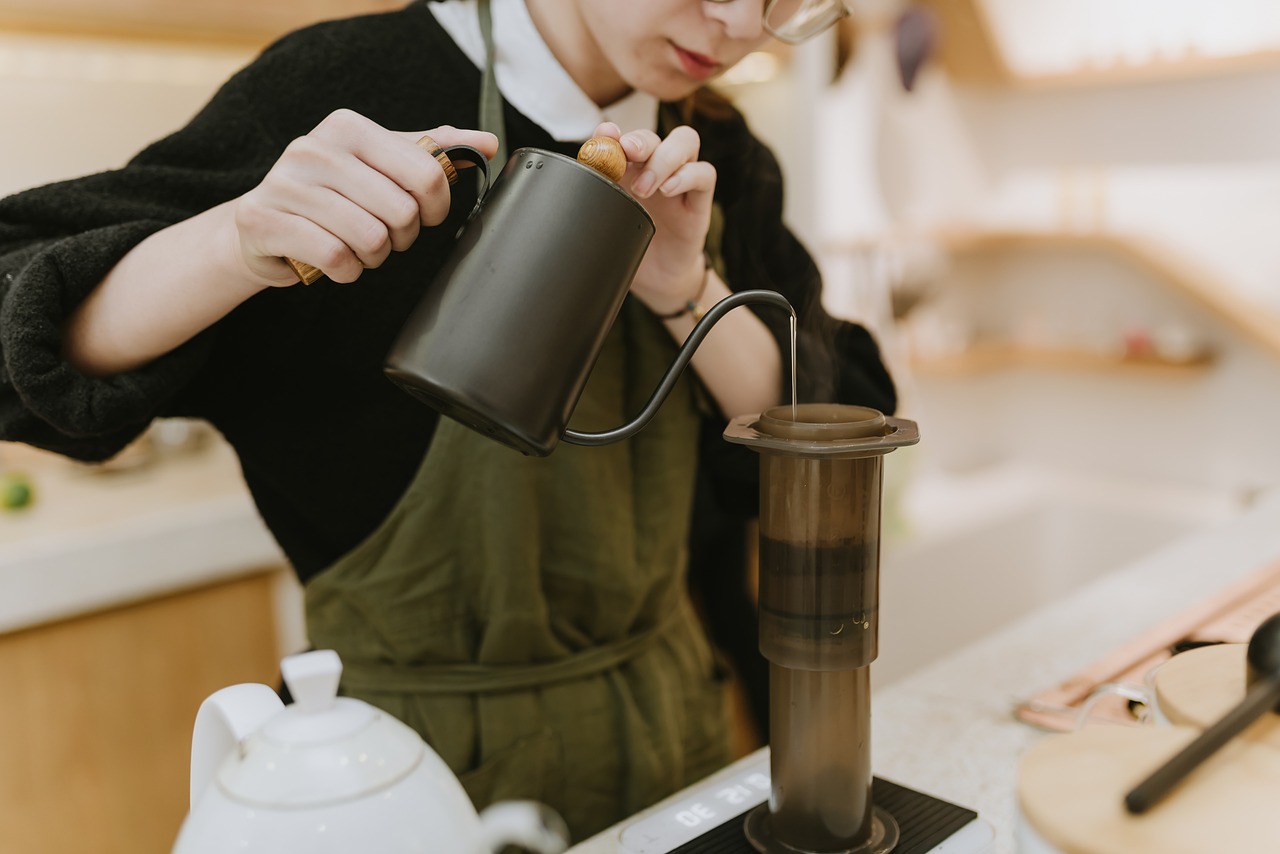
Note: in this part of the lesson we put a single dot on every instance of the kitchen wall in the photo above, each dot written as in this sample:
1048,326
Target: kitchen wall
1081,275
78,104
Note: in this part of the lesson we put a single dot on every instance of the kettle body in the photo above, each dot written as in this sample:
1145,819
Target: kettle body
332,775
504,338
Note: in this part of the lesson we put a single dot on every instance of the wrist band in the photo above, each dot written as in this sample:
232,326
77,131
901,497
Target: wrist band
694,306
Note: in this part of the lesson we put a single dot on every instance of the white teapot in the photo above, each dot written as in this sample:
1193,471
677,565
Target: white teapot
332,775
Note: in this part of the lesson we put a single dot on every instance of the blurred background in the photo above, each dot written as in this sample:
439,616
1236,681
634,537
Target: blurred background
1060,217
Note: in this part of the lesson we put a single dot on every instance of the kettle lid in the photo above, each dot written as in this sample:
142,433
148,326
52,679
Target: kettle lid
321,749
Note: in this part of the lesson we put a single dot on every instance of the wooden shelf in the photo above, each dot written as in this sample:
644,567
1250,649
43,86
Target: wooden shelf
1257,322
985,358
970,53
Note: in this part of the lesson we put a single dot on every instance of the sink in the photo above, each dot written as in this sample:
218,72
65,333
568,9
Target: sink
968,554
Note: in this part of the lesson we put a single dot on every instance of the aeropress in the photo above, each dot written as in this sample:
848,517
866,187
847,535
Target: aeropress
821,475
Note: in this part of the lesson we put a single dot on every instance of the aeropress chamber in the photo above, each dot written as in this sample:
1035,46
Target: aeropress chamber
821,477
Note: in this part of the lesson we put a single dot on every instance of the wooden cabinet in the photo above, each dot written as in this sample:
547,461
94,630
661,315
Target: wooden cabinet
96,715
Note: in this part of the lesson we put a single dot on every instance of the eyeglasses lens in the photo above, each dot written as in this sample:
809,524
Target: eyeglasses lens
793,21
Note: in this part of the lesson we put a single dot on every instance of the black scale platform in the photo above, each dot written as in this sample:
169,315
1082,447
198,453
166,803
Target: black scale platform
924,822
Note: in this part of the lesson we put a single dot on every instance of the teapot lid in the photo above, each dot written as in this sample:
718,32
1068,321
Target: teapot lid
321,749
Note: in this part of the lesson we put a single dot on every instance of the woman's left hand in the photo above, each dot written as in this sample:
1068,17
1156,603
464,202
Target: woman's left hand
675,187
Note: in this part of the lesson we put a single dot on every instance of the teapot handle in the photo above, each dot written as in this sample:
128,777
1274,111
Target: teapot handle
527,824
668,381
225,719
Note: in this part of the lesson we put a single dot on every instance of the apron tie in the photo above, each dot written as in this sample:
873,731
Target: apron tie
360,677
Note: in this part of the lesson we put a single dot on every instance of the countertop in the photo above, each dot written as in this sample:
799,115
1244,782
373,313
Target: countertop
949,729
98,537
94,540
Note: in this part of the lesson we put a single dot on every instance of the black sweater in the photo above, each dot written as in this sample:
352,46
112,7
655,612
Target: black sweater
293,377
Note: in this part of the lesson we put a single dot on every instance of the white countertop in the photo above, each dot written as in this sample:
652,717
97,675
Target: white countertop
949,730
94,539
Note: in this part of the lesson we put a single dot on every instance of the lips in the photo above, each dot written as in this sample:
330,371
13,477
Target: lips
696,65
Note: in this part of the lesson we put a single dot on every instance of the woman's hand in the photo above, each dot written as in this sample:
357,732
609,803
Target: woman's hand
343,197
738,361
675,187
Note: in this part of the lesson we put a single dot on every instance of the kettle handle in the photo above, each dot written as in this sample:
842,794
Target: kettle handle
668,381
445,157
225,719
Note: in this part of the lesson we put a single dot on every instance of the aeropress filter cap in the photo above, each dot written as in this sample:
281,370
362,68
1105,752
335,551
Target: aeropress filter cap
823,429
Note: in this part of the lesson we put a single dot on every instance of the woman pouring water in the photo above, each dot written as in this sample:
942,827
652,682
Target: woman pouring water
528,616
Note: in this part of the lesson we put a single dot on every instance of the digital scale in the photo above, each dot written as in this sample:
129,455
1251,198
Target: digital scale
709,818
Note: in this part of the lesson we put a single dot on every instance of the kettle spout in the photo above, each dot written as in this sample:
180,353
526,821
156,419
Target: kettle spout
699,332
525,824
225,719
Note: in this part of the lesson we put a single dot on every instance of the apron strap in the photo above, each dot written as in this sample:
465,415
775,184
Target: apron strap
360,677
491,118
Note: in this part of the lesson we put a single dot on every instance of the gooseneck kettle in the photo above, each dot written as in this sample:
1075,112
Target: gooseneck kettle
504,339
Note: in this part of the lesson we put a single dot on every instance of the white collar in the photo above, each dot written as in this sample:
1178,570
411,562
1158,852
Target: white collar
529,76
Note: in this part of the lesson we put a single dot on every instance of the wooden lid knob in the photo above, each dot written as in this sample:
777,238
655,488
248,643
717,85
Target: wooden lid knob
604,154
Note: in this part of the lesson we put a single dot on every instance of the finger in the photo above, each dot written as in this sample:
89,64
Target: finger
447,136
400,211
399,159
397,155
639,145
679,148
312,165
609,129
339,236
691,178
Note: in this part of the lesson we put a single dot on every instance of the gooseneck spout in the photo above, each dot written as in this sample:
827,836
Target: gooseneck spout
717,311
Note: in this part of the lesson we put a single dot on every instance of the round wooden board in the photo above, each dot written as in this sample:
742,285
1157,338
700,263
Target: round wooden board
1197,687
1071,790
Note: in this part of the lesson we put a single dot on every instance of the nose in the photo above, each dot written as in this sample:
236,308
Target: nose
741,19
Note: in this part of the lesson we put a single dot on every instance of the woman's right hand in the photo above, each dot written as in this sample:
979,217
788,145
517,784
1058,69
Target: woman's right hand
343,197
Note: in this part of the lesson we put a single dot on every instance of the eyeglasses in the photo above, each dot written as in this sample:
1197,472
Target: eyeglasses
793,21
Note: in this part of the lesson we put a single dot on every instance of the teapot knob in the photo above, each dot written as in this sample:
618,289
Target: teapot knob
604,154
312,678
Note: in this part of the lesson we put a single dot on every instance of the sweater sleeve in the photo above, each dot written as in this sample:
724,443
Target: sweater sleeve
43,400
57,242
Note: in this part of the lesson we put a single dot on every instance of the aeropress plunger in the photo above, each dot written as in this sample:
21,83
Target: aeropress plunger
821,474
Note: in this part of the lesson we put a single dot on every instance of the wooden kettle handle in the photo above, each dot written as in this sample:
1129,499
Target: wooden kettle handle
308,274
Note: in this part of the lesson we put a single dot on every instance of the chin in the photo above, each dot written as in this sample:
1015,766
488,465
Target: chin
673,88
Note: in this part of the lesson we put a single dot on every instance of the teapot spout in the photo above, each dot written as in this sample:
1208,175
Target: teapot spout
713,315
526,824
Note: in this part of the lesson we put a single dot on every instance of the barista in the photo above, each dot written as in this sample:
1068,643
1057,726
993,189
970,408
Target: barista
527,616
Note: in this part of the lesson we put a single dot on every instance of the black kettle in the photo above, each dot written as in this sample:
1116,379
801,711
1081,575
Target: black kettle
504,338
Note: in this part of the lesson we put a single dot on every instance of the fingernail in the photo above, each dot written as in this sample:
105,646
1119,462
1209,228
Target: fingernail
669,186
644,184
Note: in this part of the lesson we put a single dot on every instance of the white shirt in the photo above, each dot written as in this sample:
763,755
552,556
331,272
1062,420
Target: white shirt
531,79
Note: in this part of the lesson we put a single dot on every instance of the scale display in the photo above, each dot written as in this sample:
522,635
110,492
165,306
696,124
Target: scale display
708,819
686,820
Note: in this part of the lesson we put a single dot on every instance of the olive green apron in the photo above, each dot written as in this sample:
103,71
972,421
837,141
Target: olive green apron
529,616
